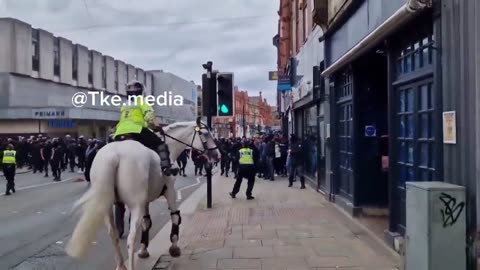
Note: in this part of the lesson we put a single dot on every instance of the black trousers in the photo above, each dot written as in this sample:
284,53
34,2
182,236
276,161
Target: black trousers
149,139
245,171
56,167
182,164
9,172
37,165
46,162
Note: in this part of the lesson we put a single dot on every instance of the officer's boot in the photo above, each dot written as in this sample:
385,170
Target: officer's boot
165,162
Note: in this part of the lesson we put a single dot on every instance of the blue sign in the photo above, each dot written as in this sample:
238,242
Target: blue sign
61,123
370,131
284,83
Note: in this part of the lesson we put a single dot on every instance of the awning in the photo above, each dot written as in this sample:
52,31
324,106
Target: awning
394,22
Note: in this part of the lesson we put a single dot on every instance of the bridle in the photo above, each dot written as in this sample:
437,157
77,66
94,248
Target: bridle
198,130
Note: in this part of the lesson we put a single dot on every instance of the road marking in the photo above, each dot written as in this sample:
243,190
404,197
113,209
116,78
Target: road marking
179,191
39,212
59,242
94,242
15,212
44,184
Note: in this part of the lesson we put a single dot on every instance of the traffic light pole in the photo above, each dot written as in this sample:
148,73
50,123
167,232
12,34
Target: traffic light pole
209,166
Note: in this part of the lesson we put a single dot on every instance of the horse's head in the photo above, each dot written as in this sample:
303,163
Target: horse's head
195,135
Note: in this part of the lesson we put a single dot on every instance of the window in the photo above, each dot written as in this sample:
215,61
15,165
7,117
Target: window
90,67
127,74
75,63
305,23
104,73
56,57
35,50
116,76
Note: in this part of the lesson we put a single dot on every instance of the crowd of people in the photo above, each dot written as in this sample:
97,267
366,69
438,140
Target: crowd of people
275,155
43,154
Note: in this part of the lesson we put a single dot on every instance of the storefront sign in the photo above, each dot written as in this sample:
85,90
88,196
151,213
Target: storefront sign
273,75
48,113
61,123
449,128
370,131
284,83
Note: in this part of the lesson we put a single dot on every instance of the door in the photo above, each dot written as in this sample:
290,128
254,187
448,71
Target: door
344,125
415,113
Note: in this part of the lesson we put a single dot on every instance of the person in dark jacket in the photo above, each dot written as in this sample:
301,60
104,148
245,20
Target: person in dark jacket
46,155
56,161
80,153
90,156
296,156
37,161
182,161
199,161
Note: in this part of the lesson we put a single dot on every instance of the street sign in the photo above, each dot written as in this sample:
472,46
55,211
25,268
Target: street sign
273,75
284,83
370,131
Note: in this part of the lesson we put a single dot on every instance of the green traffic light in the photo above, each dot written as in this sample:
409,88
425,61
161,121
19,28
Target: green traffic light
224,108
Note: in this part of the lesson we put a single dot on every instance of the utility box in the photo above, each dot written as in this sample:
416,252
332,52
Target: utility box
436,231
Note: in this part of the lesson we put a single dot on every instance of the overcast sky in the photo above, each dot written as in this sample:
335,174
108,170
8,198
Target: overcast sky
177,36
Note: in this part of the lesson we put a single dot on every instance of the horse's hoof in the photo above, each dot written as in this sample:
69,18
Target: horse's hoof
175,252
143,254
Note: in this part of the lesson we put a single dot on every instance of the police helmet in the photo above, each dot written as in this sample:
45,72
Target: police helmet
135,88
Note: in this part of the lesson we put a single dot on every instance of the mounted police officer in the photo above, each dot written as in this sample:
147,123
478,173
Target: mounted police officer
135,121
9,162
246,169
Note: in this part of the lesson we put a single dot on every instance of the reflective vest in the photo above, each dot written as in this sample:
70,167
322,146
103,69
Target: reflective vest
9,157
246,156
134,117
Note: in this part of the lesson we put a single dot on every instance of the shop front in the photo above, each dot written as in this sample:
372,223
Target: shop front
384,110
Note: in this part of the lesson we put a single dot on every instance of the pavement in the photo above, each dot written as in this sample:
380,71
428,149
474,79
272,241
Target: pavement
281,229
36,222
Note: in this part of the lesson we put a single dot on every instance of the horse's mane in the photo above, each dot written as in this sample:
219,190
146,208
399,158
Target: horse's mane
177,125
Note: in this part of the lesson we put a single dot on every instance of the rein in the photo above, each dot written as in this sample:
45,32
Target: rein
204,143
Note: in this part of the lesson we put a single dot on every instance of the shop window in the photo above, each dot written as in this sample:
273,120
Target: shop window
75,63
35,50
90,67
56,57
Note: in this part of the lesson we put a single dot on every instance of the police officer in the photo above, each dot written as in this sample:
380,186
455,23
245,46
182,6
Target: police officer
136,120
246,169
9,162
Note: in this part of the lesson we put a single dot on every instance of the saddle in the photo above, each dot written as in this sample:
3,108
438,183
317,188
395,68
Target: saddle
124,137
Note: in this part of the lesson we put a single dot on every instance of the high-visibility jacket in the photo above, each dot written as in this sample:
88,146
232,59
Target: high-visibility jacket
246,156
9,157
134,117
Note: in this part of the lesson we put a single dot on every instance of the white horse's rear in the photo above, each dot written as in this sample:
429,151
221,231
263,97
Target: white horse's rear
129,171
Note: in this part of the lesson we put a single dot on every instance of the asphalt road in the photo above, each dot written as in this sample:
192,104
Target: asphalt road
36,223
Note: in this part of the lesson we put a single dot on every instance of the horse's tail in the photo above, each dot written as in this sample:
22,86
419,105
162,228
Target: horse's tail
95,203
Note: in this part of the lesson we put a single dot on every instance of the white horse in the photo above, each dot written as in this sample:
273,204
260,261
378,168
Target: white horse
131,172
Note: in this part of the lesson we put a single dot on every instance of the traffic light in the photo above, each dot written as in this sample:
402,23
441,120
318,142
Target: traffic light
225,94
209,96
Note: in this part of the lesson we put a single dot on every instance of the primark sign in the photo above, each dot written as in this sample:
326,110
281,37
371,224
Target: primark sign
48,113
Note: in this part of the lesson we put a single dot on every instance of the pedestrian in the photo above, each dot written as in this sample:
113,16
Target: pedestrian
56,161
9,166
246,169
46,155
199,161
182,161
296,154
80,153
270,156
91,153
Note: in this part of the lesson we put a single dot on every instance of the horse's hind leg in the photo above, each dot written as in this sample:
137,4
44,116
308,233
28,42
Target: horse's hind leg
146,225
136,222
112,231
171,196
